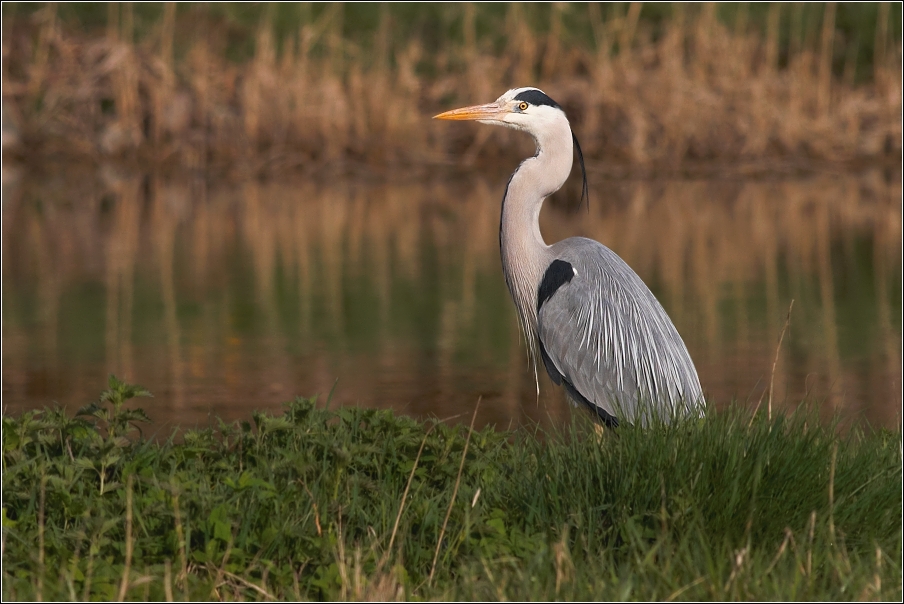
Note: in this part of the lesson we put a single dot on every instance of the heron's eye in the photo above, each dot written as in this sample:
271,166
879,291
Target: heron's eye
522,106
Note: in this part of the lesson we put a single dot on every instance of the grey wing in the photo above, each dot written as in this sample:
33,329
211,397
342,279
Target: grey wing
610,340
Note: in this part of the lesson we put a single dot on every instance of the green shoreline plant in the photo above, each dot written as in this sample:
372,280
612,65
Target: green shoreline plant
359,503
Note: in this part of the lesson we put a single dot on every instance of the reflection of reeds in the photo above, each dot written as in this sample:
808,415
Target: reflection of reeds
120,260
163,231
282,275
699,91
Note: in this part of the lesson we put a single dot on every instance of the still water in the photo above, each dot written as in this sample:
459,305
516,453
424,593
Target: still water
222,299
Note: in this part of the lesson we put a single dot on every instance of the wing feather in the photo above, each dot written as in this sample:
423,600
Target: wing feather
612,341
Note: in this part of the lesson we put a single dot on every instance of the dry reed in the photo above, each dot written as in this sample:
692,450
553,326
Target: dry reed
701,92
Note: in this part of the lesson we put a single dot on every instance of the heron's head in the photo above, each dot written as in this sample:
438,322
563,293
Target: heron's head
528,109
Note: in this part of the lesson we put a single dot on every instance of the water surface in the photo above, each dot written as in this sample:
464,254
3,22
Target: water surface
221,299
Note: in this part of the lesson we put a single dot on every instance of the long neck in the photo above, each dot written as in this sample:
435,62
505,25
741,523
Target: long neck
524,253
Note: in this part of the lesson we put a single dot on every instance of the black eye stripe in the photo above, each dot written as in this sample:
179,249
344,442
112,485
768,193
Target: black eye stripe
535,97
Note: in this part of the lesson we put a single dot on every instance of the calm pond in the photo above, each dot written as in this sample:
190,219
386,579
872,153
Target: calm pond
222,299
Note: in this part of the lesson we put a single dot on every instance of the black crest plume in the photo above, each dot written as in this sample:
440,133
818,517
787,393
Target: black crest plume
585,191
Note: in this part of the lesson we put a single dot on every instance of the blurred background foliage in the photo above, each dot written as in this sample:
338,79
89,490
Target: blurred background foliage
440,26
274,87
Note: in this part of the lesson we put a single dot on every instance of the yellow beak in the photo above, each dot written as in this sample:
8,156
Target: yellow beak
476,112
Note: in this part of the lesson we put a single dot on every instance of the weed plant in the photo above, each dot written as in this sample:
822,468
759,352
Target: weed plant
358,503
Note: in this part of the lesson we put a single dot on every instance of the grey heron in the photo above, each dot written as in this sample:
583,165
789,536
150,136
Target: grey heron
598,329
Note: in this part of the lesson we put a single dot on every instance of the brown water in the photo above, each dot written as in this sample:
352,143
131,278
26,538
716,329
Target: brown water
224,299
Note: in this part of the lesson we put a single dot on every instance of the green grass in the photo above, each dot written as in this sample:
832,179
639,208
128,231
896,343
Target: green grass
307,505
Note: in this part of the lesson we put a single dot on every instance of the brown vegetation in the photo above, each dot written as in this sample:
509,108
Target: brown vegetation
700,93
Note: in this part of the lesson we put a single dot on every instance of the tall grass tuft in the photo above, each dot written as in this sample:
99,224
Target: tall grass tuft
360,503
647,86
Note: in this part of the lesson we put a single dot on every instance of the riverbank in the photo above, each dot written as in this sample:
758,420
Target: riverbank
356,503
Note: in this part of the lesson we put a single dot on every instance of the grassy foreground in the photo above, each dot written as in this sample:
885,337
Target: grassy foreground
358,503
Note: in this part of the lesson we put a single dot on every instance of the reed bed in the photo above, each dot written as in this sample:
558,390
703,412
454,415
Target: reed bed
694,91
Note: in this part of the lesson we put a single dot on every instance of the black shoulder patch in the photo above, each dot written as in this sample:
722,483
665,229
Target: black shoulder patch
535,97
558,273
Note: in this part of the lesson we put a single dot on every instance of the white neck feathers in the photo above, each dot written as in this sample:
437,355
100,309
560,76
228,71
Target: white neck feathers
524,253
